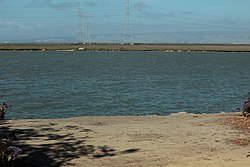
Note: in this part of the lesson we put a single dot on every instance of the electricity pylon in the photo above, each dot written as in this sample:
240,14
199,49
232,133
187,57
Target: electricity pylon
82,33
127,33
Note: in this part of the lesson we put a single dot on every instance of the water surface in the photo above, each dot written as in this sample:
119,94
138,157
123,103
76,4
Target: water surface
66,84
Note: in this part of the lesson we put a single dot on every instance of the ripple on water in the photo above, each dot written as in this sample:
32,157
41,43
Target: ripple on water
66,84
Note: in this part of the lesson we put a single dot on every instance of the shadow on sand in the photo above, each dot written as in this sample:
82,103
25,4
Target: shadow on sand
57,149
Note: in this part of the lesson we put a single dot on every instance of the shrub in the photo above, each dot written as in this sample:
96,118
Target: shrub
8,153
246,107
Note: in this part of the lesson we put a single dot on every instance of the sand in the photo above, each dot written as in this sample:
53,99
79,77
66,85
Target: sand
147,141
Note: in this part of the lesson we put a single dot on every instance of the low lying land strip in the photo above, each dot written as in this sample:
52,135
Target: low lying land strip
120,47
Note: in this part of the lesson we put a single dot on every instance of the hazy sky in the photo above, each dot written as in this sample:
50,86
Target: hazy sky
22,20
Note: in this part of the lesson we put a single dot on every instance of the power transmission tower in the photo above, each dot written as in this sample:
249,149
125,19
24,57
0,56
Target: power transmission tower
127,33
82,33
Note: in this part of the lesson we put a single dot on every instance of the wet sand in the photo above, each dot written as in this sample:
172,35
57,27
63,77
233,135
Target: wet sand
148,141
135,47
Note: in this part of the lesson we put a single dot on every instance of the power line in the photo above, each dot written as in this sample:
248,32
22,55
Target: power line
82,33
127,33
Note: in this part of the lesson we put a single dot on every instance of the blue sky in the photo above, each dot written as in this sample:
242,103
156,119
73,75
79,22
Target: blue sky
205,21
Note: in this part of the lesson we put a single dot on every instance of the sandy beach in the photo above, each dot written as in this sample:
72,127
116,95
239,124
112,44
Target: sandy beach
149,141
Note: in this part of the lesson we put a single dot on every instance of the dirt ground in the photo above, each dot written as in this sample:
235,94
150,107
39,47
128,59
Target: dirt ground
149,141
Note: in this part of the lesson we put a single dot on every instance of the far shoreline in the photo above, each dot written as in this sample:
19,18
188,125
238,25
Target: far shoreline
127,47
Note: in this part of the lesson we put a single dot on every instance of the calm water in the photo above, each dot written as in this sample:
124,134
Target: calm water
66,84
